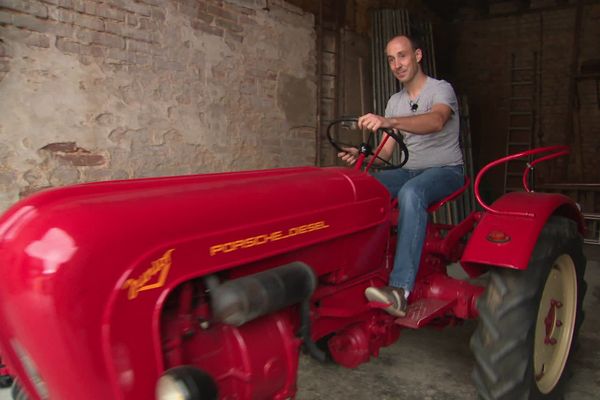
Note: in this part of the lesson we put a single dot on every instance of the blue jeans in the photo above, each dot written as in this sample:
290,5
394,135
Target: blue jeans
416,190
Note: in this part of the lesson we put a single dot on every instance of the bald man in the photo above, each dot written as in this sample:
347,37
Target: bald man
425,112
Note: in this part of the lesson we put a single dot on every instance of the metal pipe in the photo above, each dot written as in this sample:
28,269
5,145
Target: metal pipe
304,332
319,84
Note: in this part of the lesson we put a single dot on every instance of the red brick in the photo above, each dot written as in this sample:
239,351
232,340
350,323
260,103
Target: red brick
190,7
242,19
127,57
153,2
158,15
63,147
148,25
132,20
5,17
128,5
144,47
83,20
219,12
130,32
200,26
206,18
233,36
233,27
101,38
107,12
30,22
82,159
28,7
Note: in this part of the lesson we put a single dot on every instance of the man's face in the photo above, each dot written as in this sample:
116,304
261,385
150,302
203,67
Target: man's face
403,59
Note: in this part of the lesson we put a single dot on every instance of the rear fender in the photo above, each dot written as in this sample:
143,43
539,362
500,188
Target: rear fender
506,238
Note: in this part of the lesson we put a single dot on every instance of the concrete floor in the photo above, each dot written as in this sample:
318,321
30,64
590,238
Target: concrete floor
430,364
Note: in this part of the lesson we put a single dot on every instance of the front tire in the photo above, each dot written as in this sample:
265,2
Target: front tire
5,381
17,392
530,320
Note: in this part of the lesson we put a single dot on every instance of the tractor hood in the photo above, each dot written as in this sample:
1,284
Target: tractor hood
84,269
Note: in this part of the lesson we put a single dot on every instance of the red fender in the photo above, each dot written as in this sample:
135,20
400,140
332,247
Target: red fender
506,237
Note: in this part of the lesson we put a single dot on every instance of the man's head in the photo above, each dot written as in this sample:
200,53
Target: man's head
404,55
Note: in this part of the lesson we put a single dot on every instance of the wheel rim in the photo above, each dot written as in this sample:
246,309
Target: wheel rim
555,324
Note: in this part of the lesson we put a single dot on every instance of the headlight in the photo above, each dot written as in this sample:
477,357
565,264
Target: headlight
186,383
170,388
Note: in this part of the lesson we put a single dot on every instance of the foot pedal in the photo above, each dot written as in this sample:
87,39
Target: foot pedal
422,311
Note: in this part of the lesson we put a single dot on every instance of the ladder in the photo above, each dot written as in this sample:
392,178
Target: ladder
328,84
522,118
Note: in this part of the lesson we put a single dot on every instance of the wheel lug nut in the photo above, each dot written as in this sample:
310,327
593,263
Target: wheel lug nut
550,341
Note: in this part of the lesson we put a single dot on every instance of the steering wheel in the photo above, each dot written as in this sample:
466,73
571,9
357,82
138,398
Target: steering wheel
366,149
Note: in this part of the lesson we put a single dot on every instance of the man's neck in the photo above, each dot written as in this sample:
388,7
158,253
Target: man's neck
413,88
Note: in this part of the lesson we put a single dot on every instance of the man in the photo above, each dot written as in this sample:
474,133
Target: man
425,111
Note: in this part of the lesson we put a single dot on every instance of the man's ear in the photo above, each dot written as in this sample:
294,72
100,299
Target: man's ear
418,54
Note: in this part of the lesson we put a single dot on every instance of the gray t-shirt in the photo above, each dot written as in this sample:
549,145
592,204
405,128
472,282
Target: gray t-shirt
435,149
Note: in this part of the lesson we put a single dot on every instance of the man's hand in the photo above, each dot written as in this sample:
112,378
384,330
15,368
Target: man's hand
373,122
350,155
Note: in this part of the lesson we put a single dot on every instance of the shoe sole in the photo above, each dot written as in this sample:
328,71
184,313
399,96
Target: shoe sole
372,294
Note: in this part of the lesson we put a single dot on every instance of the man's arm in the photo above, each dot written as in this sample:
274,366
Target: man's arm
350,154
422,124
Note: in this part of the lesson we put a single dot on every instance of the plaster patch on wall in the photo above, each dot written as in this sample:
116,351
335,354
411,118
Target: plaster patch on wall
296,97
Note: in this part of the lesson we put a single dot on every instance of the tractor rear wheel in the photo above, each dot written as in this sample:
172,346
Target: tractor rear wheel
529,320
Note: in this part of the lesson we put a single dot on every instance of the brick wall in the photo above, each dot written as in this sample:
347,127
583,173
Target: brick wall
482,66
115,89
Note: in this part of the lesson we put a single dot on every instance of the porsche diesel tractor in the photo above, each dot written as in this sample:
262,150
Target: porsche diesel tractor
209,286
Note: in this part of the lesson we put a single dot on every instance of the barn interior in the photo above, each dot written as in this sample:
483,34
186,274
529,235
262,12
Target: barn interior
97,90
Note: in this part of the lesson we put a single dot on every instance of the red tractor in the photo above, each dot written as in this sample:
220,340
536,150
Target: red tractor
208,286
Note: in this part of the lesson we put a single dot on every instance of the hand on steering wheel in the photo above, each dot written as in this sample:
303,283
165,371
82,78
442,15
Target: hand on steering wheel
351,153
372,122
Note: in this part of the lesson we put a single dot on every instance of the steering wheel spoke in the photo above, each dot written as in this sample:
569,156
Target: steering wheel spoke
386,162
365,148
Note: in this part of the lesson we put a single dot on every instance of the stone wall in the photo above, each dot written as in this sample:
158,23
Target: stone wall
117,89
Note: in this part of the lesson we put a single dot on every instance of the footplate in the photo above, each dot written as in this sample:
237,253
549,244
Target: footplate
422,311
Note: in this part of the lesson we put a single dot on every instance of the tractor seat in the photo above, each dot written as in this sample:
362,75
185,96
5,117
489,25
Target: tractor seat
435,206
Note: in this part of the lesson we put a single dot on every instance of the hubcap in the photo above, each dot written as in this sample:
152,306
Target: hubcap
555,324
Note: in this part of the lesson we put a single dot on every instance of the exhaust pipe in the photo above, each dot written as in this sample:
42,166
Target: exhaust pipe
238,301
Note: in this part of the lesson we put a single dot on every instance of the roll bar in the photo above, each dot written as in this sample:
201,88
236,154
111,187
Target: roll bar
555,151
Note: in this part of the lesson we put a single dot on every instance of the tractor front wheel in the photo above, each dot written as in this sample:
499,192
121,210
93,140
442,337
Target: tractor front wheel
529,320
17,392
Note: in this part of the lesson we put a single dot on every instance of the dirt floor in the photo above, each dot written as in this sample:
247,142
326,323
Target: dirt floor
431,364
